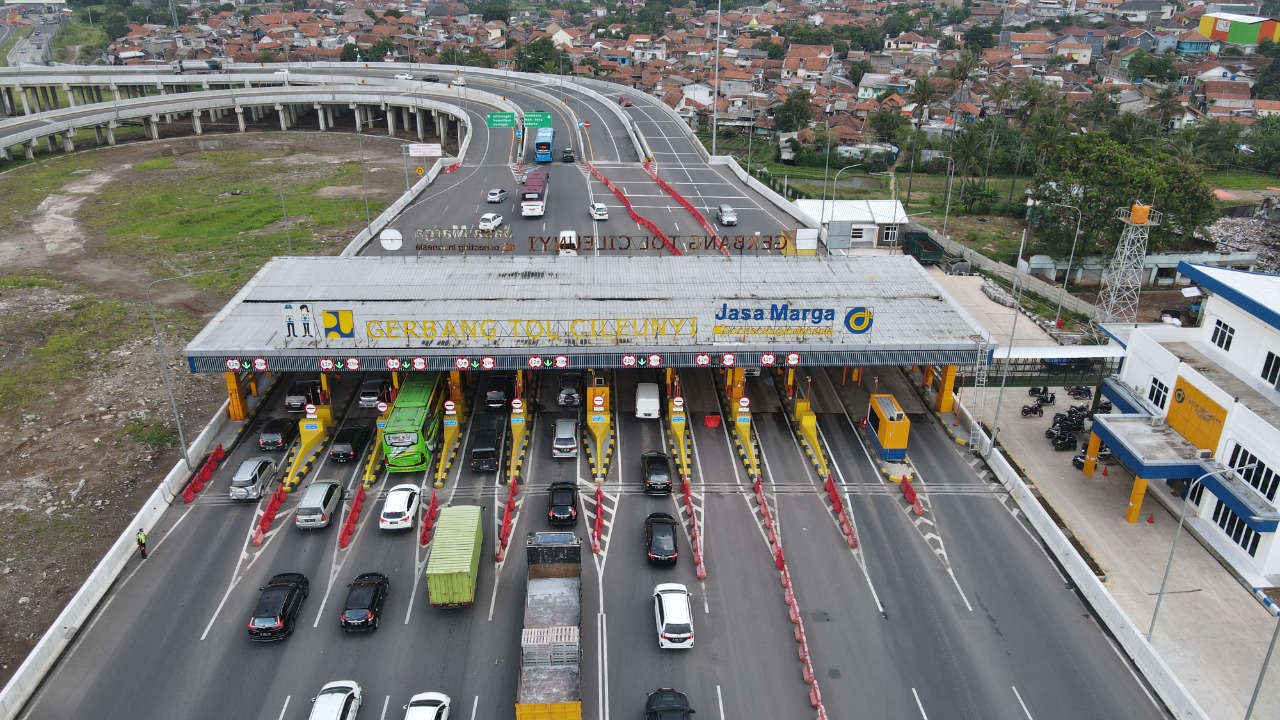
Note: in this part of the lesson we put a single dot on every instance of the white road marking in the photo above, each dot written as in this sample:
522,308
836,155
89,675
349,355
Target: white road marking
340,555
287,698
919,705
385,703
1024,705
720,700
475,705
602,672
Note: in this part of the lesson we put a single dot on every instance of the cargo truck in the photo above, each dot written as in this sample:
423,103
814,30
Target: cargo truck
550,651
923,248
197,66
454,565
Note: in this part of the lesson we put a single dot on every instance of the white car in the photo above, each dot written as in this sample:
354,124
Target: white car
404,76
496,195
281,72
459,81
672,613
400,509
599,211
489,222
427,706
338,700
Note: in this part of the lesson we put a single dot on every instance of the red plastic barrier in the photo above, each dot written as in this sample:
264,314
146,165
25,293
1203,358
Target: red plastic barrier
258,537
702,220
425,536
639,219
280,495
918,507
219,452
344,538
196,485
815,697
189,494
780,559
712,420
908,491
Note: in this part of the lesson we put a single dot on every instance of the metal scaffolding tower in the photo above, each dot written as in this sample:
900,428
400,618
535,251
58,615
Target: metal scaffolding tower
1122,284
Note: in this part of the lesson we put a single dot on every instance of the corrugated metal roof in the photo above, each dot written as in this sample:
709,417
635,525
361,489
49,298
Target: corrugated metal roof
376,307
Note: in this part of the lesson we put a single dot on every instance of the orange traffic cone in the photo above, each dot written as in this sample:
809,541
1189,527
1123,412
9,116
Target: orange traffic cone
1151,518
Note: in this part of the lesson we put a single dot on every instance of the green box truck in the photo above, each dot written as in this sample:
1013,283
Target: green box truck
454,565
923,248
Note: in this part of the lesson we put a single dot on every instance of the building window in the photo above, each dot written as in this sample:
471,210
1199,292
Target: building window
1262,478
856,234
1158,393
1222,335
890,234
1271,370
1236,529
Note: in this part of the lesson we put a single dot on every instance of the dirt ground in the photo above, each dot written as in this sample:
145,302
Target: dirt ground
71,475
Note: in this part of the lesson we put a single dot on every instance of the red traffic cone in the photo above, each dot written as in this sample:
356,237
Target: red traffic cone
1104,471
1151,518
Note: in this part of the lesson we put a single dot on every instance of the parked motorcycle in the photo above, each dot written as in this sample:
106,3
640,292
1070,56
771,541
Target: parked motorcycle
1078,460
1047,398
1066,442
1105,407
1080,392
1055,433
1034,409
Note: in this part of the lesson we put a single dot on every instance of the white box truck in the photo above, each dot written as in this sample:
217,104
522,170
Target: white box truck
648,405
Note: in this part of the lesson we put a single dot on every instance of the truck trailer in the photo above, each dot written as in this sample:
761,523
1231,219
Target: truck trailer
197,66
550,650
454,565
923,248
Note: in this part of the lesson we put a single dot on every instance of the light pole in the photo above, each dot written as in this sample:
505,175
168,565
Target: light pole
1182,518
164,364
1257,688
1013,329
285,211
823,215
364,182
951,173
715,84
1070,259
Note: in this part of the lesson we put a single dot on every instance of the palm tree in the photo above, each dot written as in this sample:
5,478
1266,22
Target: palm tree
1098,109
967,151
1132,130
1030,93
1165,106
920,94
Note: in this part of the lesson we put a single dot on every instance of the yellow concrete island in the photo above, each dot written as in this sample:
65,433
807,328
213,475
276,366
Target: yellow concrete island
600,424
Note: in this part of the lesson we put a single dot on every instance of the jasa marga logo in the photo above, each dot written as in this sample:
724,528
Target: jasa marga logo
858,320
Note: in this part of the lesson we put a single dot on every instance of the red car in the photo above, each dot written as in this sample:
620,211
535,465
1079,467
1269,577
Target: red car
624,101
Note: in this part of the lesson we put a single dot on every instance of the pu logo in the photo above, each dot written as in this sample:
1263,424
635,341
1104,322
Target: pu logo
858,320
1179,395
338,324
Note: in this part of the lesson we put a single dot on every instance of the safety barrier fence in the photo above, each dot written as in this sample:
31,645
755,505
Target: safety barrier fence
697,215
695,531
637,217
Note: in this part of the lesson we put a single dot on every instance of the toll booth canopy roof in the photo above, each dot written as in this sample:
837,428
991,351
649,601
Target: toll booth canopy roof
859,310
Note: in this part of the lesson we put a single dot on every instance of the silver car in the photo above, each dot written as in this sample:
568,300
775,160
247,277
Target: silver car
564,443
252,479
496,195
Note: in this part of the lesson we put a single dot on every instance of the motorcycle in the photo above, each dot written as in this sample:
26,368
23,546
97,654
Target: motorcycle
1078,460
1055,433
1066,442
1079,392
1034,409
1047,398
1037,391
1105,407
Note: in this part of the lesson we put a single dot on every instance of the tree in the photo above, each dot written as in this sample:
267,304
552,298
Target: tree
1165,106
537,54
381,49
349,52
886,122
1147,66
1133,131
497,10
393,12
452,55
920,94
371,13
1096,174
776,50
794,113
857,69
1098,109
978,38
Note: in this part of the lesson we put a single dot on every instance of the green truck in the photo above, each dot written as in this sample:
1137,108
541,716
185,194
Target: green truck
454,565
923,248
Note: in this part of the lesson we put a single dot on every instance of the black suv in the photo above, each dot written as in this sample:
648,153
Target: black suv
348,443
364,601
655,467
570,394
660,538
568,156
278,607
278,434
667,704
430,78
562,504
498,390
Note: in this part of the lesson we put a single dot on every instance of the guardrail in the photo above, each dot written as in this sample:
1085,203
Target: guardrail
640,220
702,220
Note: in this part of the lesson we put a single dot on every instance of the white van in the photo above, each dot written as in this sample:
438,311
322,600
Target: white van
647,403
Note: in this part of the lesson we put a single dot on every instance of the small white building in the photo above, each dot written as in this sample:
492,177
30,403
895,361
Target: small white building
851,224
1198,409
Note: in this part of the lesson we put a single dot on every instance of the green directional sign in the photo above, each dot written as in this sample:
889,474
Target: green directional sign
537,119
501,120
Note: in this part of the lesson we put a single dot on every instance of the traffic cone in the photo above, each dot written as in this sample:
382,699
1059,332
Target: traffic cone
1104,471
1151,518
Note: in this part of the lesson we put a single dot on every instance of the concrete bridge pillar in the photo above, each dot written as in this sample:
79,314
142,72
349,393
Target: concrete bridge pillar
26,104
48,141
29,149
97,134
420,121
195,122
151,127
391,120
71,94
111,133
5,154
69,141
359,113
240,118
284,119
320,115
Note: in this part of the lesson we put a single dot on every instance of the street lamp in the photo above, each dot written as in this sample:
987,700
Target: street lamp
285,211
715,84
951,173
1013,329
164,364
822,217
1257,688
1070,260
1182,518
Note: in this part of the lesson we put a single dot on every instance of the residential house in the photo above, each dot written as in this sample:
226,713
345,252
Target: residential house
1266,108
1193,43
734,82
1143,12
644,48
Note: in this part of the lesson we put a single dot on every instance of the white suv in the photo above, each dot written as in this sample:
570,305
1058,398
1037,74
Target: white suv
599,211
672,613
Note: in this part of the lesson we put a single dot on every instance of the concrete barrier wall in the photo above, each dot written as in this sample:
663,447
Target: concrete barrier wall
60,635
1162,679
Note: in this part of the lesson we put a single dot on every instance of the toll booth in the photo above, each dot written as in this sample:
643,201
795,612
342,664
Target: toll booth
888,427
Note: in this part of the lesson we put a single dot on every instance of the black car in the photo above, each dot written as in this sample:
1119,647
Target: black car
667,704
348,443
278,434
430,78
660,538
568,156
364,602
655,467
570,394
498,390
278,606
562,504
